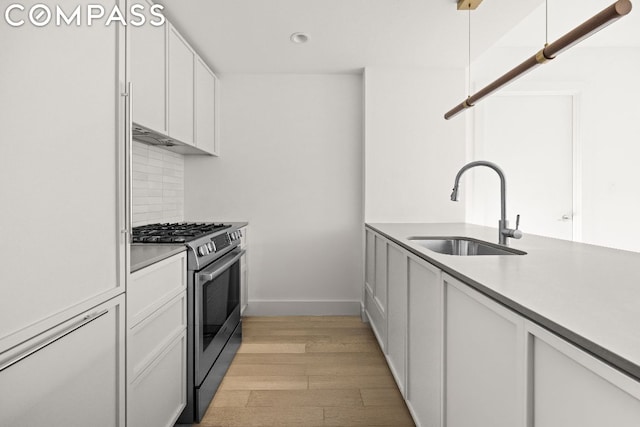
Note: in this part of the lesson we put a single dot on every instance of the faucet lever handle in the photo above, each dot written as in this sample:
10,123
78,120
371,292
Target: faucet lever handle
517,221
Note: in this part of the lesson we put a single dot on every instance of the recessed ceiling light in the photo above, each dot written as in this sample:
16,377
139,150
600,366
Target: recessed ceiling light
299,37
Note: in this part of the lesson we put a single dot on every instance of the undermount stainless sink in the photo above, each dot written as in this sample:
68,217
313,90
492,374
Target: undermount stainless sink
463,246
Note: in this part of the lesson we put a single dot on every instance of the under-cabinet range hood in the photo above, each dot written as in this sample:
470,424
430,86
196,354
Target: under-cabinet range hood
150,137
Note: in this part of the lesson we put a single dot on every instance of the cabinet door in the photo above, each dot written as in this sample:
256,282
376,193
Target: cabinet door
75,380
148,75
205,108
484,366
397,314
158,394
425,341
375,298
62,117
181,88
573,389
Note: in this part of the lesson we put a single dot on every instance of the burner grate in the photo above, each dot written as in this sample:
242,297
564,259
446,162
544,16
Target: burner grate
179,232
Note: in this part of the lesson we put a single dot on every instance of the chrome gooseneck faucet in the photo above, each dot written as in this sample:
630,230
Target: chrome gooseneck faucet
503,225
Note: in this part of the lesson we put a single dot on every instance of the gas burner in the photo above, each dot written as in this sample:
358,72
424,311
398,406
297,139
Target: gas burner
179,232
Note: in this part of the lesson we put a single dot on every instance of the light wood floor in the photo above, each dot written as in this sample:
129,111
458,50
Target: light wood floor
308,371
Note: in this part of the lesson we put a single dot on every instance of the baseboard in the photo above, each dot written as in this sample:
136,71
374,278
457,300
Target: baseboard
303,308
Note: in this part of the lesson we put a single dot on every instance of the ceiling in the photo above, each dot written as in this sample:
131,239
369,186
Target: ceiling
252,36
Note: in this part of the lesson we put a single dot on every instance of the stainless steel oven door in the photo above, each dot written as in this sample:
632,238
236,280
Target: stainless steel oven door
217,310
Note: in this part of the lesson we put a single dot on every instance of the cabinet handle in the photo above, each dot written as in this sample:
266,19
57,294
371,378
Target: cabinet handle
128,162
37,347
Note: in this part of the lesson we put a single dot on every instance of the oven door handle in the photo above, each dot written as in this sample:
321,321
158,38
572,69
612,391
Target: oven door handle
209,274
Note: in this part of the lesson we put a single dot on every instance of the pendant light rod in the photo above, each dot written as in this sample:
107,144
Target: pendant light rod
612,13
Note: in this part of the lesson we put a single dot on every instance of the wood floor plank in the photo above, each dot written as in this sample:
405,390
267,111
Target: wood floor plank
367,416
272,348
308,358
261,417
350,381
349,369
296,339
341,348
265,331
299,398
230,398
266,370
285,319
267,382
381,397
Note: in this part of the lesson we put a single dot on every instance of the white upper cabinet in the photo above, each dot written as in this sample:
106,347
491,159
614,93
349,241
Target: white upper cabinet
148,76
205,119
61,168
181,87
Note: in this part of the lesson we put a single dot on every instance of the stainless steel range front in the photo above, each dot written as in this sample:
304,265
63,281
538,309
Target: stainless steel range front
214,327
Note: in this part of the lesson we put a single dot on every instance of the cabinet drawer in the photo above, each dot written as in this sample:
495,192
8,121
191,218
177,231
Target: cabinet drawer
158,395
153,286
153,333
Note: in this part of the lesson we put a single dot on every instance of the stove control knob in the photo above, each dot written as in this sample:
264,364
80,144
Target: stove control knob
201,251
210,246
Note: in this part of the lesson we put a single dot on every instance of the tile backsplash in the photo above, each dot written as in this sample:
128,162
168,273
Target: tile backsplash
158,185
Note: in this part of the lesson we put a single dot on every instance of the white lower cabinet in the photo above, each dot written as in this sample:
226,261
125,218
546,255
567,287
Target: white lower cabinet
397,315
156,343
463,360
424,343
73,375
573,389
375,298
156,399
483,356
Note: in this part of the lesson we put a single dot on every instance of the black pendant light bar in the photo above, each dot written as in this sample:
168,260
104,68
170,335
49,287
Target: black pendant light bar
612,13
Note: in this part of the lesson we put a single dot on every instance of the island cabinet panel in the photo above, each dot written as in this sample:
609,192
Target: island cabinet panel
375,298
397,314
424,343
484,344
573,389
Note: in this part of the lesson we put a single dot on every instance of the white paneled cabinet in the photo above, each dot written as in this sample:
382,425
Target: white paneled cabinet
375,298
573,389
156,343
463,360
181,59
205,108
483,376
397,314
424,343
72,375
61,169
149,75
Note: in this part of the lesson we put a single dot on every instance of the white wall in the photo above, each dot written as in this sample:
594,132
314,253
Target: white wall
412,152
291,165
606,82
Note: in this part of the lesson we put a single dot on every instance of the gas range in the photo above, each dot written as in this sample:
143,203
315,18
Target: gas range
206,241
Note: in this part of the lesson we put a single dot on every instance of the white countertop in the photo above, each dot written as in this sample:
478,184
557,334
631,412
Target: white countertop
590,295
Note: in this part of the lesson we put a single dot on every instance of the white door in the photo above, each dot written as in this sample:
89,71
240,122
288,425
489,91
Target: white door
530,136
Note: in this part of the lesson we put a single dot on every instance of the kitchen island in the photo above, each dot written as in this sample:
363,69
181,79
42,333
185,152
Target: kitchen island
560,294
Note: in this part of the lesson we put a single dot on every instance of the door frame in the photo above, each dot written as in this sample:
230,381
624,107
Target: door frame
573,90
